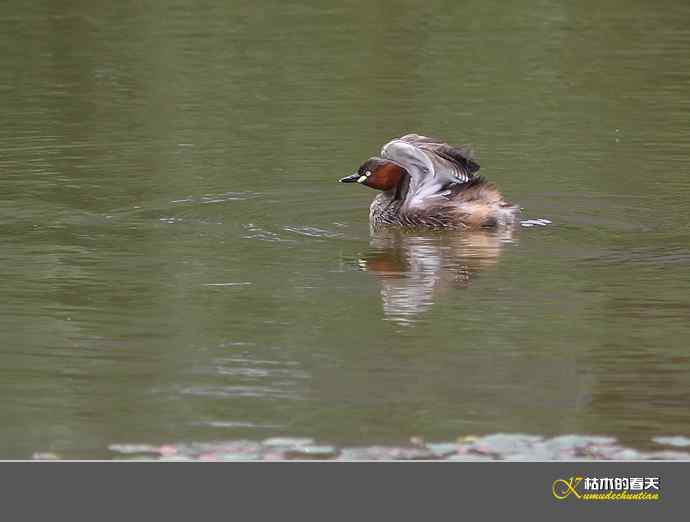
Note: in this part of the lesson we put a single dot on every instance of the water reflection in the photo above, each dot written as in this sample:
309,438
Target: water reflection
414,268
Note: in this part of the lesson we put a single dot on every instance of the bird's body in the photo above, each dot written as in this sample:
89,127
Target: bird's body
426,183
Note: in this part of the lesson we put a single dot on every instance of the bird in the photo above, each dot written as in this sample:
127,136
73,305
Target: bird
427,184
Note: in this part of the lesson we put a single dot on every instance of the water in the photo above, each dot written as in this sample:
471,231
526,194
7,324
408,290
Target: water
178,263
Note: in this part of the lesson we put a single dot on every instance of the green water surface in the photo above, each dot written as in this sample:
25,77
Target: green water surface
178,263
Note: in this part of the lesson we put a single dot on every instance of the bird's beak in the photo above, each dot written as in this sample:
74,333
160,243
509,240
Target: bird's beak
352,178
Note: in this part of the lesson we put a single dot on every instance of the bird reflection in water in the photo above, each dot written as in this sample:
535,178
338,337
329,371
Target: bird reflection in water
414,268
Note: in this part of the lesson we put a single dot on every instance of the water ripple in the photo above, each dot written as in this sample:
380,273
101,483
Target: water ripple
217,198
243,283
261,234
272,392
312,232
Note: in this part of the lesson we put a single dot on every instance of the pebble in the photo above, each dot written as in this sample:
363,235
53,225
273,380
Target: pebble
288,442
469,457
133,448
678,441
443,449
498,446
313,452
504,444
45,455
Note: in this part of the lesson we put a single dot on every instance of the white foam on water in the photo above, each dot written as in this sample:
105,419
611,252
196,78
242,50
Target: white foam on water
541,222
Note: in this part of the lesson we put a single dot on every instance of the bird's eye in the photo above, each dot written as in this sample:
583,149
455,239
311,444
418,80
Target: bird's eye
367,173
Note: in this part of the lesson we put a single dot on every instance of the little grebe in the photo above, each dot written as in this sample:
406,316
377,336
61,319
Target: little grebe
426,183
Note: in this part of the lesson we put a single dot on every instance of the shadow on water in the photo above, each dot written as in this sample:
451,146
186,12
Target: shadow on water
415,268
